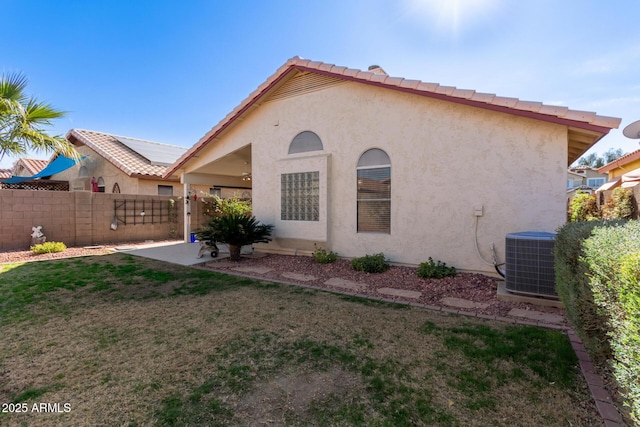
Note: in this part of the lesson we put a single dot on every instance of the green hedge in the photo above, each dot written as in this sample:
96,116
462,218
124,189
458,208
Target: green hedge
598,279
612,255
573,288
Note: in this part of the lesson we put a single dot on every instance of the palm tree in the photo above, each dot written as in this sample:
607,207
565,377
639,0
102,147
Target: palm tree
22,119
235,229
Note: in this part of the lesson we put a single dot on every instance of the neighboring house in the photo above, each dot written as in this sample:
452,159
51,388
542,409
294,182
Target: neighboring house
361,163
28,167
590,177
5,174
574,180
116,164
583,179
622,172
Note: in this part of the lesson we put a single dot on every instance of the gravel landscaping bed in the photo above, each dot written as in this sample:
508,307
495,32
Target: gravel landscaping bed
469,286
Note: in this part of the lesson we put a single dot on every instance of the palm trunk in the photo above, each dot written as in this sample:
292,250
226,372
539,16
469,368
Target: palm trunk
234,252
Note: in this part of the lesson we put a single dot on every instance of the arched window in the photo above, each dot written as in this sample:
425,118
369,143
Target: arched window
100,185
116,189
305,141
374,192
83,172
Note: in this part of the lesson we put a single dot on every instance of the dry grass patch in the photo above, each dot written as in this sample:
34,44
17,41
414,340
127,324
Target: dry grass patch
212,350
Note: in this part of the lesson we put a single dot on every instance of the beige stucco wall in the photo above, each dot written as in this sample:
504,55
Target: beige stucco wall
446,160
99,167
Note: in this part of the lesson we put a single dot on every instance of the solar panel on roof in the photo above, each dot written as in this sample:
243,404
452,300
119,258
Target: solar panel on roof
158,154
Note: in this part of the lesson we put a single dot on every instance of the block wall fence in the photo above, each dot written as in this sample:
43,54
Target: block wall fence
82,218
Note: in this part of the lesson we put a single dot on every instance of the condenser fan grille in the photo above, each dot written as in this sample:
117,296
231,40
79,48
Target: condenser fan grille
529,263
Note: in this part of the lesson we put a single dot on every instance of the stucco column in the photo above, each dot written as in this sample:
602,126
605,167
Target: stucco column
187,212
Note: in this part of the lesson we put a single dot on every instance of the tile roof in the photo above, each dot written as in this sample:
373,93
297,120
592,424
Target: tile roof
5,173
122,156
620,161
31,166
583,124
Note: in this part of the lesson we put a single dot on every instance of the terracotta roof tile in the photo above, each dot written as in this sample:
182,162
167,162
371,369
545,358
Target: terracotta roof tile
378,77
583,116
536,110
445,90
427,87
463,93
120,155
410,84
503,101
364,75
5,173
620,161
528,106
31,166
554,110
483,97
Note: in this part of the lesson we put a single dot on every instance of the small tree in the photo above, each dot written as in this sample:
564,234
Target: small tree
583,207
237,230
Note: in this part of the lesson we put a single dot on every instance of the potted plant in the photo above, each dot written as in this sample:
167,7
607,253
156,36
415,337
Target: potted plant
236,230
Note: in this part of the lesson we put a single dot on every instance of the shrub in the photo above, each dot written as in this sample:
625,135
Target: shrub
48,247
324,257
217,206
612,255
435,270
584,207
573,288
621,205
370,263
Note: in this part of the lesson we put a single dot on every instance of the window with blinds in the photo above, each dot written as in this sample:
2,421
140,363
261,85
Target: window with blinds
300,196
374,192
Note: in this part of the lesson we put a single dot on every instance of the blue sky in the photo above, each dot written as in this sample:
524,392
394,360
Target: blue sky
168,71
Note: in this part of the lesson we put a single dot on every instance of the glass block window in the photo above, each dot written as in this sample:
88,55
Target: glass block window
300,196
374,192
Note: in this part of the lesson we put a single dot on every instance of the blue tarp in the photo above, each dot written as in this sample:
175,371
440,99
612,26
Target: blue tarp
61,163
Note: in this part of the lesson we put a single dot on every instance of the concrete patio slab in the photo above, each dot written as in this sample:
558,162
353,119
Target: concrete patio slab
173,252
298,276
179,252
463,303
400,293
257,270
345,284
536,315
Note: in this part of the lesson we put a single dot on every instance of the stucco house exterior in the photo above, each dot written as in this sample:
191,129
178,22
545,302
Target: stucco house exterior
116,164
361,162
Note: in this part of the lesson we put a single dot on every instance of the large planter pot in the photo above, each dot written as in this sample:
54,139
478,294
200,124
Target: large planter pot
234,252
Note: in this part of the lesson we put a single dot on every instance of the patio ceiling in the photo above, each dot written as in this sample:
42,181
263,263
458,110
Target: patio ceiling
233,164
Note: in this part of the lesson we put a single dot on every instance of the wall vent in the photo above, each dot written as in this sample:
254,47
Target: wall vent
529,263
304,82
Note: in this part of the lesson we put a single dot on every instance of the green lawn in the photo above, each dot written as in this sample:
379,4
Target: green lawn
129,341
